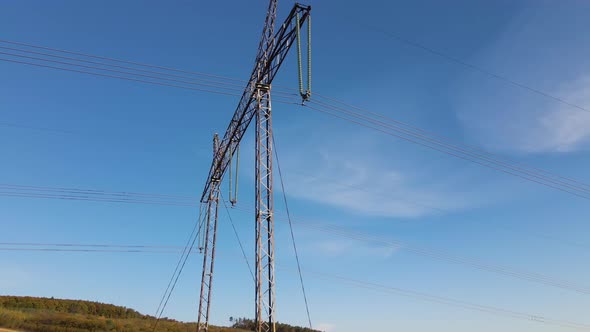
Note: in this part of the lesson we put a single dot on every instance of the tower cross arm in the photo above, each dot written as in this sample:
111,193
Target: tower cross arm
271,53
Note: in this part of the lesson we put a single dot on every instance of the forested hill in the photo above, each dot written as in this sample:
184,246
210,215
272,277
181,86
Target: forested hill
25,303
35,314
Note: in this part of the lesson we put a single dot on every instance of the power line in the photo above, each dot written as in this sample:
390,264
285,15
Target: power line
118,77
291,231
231,221
487,161
92,250
531,172
94,191
122,61
475,148
44,244
464,149
471,66
166,68
184,79
458,155
92,199
362,237
453,302
117,66
528,170
440,255
179,267
191,79
380,288
227,86
221,92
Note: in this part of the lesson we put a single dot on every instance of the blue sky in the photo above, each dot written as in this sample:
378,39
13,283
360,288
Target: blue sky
126,136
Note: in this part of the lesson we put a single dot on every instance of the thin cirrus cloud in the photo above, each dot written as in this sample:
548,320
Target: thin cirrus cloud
351,248
369,187
503,116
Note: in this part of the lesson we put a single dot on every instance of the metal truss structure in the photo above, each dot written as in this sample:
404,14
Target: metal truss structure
255,102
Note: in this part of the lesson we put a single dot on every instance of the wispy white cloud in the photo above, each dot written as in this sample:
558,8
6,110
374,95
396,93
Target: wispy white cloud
351,248
564,128
367,186
505,117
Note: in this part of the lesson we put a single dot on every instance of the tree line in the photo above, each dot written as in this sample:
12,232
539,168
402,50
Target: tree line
37,314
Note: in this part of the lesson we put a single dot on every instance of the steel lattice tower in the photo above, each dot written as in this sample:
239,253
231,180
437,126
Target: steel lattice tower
265,246
254,103
210,239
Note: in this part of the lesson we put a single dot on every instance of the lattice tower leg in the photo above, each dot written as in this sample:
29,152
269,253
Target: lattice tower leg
210,230
265,246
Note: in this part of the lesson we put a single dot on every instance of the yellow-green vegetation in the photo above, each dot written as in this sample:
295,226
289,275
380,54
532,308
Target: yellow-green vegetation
32,314
7,330
35,314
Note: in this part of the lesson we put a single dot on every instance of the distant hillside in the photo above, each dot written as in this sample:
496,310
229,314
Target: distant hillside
35,314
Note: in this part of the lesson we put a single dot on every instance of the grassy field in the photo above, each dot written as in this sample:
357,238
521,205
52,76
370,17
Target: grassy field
34,314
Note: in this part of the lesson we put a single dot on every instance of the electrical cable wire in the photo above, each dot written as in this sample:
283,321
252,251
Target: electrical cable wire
458,155
475,148
485,157
473,67
418,143
44,244
422,296
291,232
216,82
187,80
231,221
531,172
121,61
92,250
396,244
93,199
179,267
228,81
215,85
487,162
221,92
438,254
453,302
97,192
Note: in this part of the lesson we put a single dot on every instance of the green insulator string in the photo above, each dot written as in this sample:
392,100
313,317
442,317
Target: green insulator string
305,94
308,92
233,200
299,64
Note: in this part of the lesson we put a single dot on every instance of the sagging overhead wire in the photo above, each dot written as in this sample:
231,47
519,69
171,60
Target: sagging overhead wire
452,151
436,254
474,67
340,104
139,198
284,194
422,296
462,148
190,243
476,155
193,84
529,173
233,226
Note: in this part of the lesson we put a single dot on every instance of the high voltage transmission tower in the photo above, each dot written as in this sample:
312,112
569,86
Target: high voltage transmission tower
254,103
